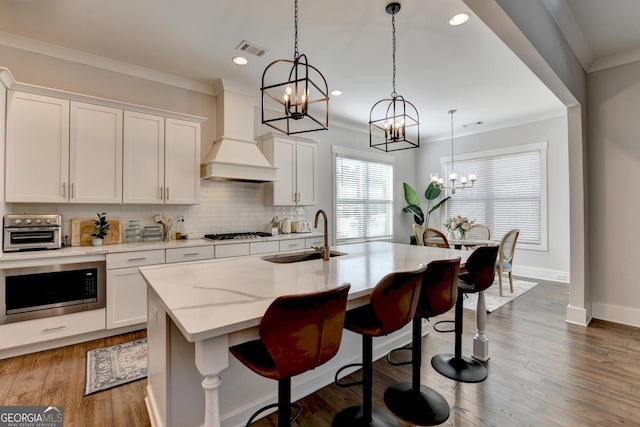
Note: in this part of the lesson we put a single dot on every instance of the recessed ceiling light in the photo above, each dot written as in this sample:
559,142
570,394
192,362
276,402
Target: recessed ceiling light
239,60
336,92
459,18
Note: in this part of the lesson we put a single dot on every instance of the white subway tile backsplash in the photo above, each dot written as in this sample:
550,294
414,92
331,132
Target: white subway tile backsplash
224,207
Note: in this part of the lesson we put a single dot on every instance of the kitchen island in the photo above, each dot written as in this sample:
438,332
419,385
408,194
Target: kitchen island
197,310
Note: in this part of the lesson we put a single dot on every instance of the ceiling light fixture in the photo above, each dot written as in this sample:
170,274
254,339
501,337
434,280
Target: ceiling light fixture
239,60
453,176
459,19
398,117
336,92
298,104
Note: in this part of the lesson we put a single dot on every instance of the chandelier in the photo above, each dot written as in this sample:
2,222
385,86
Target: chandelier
397,120
453,176
300,103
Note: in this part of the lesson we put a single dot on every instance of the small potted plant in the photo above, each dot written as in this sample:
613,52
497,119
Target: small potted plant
100,230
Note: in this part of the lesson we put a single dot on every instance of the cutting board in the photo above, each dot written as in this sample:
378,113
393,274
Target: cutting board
81,230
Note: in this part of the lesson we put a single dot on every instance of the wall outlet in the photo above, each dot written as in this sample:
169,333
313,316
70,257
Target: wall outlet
561,276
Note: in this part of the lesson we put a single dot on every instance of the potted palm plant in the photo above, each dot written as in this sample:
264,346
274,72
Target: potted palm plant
431,193
100,230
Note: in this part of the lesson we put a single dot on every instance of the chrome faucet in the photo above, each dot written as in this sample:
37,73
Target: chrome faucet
325,248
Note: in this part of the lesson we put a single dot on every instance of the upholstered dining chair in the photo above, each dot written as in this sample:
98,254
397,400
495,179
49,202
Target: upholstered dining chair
297,334
435,238
505,257
418,230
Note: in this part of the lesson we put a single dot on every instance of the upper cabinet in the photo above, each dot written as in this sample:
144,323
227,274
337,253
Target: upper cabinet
65,151
37,149
161,160
296,174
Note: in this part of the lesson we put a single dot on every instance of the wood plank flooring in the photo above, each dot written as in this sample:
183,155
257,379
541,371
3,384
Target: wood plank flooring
542,372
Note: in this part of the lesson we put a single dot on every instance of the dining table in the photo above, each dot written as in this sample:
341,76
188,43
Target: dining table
197,310
466,242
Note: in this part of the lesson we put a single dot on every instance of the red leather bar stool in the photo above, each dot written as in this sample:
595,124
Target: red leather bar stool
297,334
392,305
412,401
480,272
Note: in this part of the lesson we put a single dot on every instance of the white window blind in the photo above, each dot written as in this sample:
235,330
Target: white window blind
509,193
364,199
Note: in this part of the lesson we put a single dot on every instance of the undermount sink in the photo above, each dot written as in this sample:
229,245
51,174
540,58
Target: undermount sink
299,256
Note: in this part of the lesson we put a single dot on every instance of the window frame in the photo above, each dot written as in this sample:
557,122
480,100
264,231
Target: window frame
541,147
363,156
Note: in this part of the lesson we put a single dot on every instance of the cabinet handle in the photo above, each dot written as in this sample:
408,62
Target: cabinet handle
55,328
192,254
137,259
166,197
161,193
64,190
293,245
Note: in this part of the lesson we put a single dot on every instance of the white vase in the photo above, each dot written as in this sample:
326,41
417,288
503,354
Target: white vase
96,241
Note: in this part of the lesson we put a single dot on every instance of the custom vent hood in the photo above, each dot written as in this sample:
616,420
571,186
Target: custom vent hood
235,155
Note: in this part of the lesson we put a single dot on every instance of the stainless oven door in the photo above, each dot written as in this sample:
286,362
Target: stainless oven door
17,239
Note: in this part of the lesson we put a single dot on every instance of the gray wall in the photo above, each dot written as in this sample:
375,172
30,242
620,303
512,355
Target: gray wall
614,163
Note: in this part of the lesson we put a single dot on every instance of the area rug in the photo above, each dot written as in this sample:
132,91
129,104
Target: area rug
110,367
493,300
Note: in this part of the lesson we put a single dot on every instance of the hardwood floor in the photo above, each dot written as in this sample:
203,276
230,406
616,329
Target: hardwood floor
542,372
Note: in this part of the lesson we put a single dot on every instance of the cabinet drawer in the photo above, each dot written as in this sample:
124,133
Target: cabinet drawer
292,245
192,253
314,242
135,259
51,328
263,247
226,251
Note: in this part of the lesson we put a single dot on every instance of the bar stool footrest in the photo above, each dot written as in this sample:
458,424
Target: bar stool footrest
424,407
343,384
292,420
353,417
435,326
395,350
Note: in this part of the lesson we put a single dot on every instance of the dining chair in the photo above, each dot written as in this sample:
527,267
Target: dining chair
505,257
418,230
435,238
479,232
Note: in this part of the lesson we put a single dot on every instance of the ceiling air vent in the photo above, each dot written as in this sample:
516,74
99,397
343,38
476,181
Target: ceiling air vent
251,48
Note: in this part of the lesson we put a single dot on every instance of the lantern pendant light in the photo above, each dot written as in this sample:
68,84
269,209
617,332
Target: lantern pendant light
395,119
298,102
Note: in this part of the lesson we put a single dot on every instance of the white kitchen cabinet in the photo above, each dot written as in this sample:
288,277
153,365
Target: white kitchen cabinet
37,149
161,160
231,250
292,244
126,289
296,174
95,154
60,151
191,253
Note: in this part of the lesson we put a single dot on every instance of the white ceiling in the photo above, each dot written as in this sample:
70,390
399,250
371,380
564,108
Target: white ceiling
439,67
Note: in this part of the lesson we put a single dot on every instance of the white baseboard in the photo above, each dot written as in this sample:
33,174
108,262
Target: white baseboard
542,274
578,316
617,314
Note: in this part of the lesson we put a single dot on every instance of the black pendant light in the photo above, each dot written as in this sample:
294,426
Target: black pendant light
395,119
294,94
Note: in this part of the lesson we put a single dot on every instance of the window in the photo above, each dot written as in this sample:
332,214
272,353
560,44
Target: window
363,195
510,192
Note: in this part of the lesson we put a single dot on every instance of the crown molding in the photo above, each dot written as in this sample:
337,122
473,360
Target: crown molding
54,51
615,60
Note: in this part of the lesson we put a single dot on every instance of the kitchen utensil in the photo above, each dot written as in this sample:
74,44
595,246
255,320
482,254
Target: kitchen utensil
301,226
285,226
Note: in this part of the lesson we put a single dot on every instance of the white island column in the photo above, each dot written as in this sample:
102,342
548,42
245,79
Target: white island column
212,357
480,340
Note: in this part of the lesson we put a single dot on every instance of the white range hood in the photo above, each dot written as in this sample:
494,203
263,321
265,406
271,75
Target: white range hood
235,155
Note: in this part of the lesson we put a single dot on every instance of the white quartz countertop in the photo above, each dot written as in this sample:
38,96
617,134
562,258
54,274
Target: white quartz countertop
209,298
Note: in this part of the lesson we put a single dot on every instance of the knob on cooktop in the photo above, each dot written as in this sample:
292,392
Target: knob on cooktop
28,221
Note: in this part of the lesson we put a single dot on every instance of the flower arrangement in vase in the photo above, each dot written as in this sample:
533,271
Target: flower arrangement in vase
458,225
100,230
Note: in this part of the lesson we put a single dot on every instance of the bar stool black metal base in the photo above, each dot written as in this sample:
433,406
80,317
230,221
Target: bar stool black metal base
423,407
460,369
353,417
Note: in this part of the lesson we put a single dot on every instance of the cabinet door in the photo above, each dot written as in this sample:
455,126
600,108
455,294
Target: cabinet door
285,160
37,149
95,154
306,173
182,162
143,158
126,298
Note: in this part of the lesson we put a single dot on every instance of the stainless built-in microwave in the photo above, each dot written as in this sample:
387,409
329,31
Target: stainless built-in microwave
36,292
